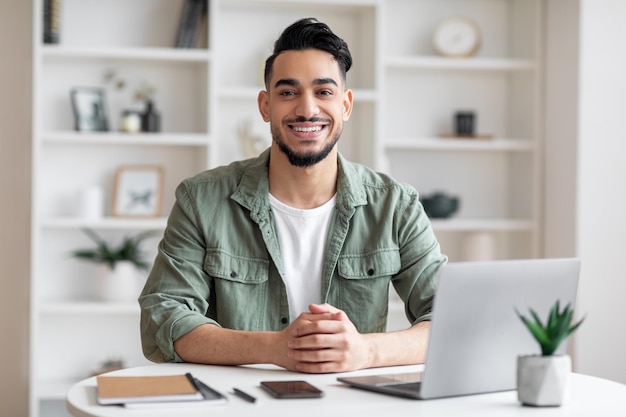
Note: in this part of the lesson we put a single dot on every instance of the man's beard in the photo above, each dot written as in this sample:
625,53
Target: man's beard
305,159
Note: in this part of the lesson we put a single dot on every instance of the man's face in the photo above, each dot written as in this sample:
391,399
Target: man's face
306,105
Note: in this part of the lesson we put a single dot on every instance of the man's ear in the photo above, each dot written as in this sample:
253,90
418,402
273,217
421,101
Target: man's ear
264,105
347,104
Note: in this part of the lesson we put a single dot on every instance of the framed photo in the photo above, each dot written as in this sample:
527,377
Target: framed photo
89,109
138,191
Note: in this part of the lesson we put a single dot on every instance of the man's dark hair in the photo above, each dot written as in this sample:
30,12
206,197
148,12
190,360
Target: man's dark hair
310,33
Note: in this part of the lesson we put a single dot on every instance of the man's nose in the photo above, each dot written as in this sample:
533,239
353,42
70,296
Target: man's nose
307,106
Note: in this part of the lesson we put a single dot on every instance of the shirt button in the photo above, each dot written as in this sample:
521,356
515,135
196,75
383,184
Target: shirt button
233,274
284,320
370,272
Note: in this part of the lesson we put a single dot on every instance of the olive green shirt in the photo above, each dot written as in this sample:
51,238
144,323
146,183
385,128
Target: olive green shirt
219,261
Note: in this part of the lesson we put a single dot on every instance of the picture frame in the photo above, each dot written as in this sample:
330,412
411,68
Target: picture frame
138,191
89,107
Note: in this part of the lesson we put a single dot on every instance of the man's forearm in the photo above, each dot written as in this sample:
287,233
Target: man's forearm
210,344
403,347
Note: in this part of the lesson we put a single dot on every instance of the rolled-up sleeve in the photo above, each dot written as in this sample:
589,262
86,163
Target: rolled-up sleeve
421,258
175,298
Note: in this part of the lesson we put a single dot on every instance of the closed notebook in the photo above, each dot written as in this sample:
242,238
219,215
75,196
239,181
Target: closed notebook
210,397
137,389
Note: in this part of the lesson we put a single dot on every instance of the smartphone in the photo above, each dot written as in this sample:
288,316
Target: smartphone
291,389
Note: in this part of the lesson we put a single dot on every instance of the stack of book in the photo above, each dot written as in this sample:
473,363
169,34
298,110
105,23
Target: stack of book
156,391
191,17
52,21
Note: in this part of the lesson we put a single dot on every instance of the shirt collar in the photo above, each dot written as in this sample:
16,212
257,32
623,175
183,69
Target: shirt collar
253,189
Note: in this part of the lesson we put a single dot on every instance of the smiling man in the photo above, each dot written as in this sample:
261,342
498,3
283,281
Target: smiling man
287,258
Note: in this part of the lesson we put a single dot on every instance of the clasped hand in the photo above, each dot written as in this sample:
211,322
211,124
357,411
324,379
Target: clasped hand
324,340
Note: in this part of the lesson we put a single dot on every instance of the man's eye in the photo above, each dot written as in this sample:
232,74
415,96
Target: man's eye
287,93
326,92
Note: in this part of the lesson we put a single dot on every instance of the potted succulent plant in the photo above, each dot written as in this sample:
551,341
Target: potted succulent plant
542,379
117,274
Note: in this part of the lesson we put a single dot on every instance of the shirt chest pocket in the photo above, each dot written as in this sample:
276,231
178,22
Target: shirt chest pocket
236,269
364,287
239,290
373,265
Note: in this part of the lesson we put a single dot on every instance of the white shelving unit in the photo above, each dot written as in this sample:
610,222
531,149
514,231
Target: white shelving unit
497,180
71,333
404,99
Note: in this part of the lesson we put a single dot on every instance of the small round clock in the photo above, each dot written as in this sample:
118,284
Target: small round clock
457,37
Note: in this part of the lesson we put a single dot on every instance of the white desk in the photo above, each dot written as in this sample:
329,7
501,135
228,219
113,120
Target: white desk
587,396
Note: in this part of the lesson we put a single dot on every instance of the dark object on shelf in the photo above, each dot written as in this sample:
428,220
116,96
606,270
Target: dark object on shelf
440,205
477,136
89,107
150,119
52,21
464,123
188,27
112,364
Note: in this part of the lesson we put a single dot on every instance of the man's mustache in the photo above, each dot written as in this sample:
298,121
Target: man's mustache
302,119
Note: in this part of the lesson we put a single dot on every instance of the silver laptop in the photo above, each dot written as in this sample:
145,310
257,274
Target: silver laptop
475,334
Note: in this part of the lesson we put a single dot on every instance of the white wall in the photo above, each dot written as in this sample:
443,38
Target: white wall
586,170
15,122
601,347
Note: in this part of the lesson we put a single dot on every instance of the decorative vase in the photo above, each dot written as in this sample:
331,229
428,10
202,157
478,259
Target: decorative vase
131,121
118,285
150,119
542,380
90,202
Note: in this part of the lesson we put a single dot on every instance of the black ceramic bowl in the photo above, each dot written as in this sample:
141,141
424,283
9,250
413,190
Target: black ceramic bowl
440,205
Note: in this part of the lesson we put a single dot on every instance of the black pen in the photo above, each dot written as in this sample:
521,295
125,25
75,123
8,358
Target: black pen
239,393
193,381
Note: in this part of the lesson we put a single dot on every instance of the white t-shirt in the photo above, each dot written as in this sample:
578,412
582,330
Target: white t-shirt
302,235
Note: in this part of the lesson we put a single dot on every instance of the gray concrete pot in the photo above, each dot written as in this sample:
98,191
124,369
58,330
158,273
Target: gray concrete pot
542,380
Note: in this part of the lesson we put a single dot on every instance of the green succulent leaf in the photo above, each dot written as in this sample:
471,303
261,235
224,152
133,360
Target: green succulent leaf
557,328
536,317
573,328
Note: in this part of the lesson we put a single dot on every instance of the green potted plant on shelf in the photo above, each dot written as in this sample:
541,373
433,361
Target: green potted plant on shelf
117,277
542,379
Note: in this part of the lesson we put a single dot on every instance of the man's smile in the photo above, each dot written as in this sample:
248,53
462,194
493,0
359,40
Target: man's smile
307,131
304,129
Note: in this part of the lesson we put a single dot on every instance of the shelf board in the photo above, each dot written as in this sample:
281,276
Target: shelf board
338,5
121,138
442,63
443,144
482,225
157,223
251,93
134,53
87,307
